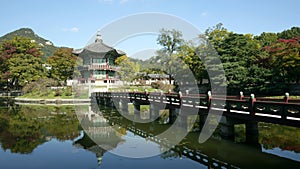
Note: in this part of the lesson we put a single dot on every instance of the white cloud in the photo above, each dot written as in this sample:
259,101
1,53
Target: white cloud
106,1
203,14
74,29
118,1
123,1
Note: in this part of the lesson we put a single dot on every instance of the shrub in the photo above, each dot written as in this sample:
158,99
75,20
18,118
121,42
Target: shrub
40,85
155,85
162,86
58,92
68,91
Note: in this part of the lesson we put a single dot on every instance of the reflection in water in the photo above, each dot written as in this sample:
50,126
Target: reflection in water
52,137
215,153
23,128
86,143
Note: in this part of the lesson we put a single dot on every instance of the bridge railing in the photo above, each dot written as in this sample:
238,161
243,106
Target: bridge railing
283,111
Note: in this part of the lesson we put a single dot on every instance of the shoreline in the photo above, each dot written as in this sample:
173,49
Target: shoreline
52,101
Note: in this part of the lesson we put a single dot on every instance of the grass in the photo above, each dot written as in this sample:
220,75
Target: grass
54,94
50,95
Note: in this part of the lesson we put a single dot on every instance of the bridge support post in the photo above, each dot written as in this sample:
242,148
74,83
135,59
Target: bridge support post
123,105
185,122
154,112
100,100
109,102
105,101
202,118
227,128
252,132
137,108
117,103
172,115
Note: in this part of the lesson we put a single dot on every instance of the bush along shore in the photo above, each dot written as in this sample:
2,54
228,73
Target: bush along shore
43,92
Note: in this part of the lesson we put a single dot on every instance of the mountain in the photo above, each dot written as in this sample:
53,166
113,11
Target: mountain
47,46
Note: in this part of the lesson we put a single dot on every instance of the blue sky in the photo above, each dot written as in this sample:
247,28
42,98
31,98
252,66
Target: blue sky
73,23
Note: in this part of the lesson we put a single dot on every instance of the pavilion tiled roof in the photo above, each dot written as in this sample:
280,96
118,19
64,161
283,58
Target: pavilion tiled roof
98,47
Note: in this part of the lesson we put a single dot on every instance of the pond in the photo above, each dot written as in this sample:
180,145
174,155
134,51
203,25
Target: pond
54,137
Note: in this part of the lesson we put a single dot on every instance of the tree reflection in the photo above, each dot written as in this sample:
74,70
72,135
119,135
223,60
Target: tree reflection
24,128
284,137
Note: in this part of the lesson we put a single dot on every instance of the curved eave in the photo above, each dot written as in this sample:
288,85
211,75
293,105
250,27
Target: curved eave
98,50
90,54
120,52
77,51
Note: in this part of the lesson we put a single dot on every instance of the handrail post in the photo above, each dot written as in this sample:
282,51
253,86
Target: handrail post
251,104
286,97
284,110
146,94
241,95
180,96
161,96
135,91
208,99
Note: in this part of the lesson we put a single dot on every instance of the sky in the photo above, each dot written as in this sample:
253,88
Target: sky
74,23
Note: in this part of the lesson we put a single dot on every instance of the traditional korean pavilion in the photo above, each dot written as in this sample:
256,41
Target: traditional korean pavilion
98,63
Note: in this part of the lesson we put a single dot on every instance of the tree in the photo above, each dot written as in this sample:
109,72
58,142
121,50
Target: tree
290,33
25,68
20,61
188,53
284,59
210,54
170,40
239,56
127,69
266,39
62,64
216,35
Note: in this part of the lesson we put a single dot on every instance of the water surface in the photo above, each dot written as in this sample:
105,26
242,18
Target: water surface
52,137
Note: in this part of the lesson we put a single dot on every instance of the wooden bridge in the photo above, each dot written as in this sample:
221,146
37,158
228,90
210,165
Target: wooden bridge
279,111
234,109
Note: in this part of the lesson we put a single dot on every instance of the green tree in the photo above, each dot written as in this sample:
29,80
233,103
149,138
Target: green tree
20,61
171,41
210,54
25,68
290,33
216,35
266,39
238,53
62,64
188,53
127,69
